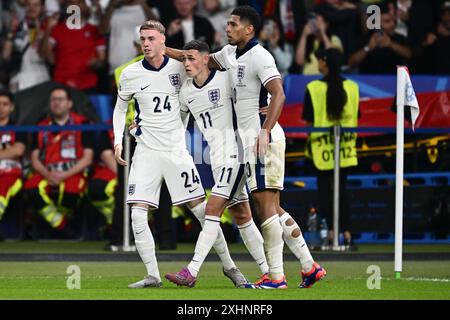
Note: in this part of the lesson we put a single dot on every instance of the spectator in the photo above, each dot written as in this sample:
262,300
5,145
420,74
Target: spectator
382,50
76,53
345,22
402,13
290,14
59,160
164,10
218,14
273,40
12,148
120,21
52,6
18,9
437,44
21,50
315,36
188,26
330,101
224,5
102,185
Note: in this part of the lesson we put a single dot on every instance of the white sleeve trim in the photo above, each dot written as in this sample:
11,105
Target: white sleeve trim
265,82
217,61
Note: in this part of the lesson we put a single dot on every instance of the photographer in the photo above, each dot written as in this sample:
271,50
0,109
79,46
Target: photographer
315,36
20,50
273,40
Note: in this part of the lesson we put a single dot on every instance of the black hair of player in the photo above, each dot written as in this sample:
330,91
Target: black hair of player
198,45
249,14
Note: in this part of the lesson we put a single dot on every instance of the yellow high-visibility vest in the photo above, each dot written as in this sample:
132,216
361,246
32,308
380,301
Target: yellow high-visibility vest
117,73
322,143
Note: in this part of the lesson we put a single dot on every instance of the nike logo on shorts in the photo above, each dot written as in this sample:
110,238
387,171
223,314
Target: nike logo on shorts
190,191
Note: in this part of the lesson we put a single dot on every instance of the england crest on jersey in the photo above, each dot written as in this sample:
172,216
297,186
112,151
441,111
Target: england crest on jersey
240,75
131,189
175,80
214,96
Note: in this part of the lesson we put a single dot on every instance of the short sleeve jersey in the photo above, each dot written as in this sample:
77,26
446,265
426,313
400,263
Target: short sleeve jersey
213,110
250,70
155,92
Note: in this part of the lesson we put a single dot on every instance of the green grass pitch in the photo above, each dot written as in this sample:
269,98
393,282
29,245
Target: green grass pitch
109,280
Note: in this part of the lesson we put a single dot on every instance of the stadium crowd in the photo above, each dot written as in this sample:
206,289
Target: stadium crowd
37,45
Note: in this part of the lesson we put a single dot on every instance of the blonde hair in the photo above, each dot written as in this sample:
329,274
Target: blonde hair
153,25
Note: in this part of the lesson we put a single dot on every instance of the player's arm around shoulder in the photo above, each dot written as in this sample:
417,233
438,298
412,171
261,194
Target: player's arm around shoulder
217,59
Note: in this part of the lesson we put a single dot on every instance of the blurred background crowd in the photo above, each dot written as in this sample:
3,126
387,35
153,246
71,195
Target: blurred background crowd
37,44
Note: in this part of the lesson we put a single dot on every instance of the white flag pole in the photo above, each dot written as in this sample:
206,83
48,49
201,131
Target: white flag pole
401,83
337,167
126,209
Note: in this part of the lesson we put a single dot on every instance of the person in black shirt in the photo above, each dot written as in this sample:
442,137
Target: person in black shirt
187,26
12,148
103,183
437,45
382,50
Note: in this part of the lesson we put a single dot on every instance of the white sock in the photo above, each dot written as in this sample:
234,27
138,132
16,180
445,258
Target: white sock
220,245
273,245
254,242
144,240
297,244
204,243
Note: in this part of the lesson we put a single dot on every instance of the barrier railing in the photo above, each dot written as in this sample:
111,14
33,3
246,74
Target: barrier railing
104,127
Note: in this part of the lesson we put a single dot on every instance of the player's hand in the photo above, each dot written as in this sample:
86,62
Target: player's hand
132,128
118,155
264,110
262,143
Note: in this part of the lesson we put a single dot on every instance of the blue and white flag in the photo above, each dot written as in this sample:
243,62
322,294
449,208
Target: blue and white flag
406,96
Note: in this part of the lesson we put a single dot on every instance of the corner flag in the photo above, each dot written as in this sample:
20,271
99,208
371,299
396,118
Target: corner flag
406,96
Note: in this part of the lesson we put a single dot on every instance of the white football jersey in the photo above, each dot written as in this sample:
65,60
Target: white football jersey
213,110
155,92
250,70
